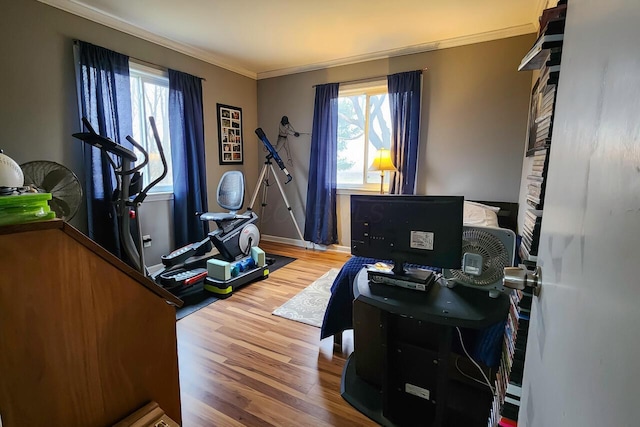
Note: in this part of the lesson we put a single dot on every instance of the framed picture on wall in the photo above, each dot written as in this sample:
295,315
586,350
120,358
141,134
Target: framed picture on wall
230,134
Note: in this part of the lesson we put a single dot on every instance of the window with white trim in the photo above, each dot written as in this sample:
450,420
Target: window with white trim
364,126
150,97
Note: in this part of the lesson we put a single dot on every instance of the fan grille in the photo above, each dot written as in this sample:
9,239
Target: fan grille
495,257
61,182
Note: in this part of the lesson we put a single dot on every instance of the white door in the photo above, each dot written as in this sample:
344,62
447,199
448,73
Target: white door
583,357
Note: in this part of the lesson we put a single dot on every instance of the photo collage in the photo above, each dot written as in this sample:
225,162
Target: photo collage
230,120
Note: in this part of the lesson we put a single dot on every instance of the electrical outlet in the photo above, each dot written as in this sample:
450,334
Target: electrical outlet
146,242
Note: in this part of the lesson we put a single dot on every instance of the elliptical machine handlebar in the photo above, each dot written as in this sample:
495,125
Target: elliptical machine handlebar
104,143
165,168
144,154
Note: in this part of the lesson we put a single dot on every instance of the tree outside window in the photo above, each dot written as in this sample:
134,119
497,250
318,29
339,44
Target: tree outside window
364,126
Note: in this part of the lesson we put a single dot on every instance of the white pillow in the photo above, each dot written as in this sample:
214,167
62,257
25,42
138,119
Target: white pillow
491,208
479,214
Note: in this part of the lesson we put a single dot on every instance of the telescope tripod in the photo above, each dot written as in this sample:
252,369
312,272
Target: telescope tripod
263,181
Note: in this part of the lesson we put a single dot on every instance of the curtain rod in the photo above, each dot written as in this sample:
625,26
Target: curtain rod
366,79
143,62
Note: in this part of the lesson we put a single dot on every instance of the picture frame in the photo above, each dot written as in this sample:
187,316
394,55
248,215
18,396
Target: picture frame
230,136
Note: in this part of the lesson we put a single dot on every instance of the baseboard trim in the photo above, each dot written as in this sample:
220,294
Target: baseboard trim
306,245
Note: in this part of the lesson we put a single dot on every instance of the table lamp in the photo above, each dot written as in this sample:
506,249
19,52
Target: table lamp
382,162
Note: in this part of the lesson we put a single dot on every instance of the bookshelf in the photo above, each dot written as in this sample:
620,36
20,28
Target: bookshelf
545,56
506,403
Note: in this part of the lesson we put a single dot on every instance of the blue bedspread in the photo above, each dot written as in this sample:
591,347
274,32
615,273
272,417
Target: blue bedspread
484,345
339,314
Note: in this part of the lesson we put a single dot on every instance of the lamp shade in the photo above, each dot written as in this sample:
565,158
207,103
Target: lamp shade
382,161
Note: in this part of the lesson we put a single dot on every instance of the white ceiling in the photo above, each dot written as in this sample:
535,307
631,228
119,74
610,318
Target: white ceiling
266,38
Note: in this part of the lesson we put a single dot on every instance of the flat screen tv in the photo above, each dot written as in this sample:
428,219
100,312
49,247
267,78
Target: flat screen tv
423,230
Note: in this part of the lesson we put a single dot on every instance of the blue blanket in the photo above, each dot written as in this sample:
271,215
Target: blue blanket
484,345
339,314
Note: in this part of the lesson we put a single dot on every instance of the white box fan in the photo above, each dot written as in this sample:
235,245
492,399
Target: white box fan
486,251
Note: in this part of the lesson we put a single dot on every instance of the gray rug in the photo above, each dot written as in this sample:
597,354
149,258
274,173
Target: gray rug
309,305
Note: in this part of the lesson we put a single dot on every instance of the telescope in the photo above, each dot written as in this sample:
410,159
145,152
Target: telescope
273,154
263,179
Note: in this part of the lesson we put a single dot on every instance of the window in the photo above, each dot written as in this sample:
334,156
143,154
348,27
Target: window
150,97
364,126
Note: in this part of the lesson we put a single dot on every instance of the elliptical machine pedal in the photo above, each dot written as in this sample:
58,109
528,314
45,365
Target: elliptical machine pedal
182,278
180,255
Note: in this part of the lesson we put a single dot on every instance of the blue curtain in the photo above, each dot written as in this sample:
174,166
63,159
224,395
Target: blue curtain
404,100
105,100
186,125
321,223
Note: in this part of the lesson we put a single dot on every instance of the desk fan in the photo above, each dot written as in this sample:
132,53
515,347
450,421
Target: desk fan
486,251
61,182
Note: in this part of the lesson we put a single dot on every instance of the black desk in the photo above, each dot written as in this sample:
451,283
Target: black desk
402,370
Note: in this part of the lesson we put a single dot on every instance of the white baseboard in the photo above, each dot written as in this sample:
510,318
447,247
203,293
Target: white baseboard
306,245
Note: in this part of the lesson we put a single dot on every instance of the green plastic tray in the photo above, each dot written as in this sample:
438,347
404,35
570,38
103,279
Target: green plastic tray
36,215
28,199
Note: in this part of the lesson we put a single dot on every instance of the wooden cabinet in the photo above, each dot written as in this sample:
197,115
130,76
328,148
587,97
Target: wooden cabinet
84,339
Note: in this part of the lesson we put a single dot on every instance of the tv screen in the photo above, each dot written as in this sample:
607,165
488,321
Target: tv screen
423,230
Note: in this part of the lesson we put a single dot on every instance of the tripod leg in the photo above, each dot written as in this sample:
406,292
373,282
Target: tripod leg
258,185
286,202
265,189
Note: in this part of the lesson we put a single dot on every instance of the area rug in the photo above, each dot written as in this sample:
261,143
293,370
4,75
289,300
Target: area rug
309,305
197,298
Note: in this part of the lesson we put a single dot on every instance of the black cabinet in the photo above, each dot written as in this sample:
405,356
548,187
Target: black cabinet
405,369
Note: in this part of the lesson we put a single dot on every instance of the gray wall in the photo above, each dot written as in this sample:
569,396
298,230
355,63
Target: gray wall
39,109
473,128
473,123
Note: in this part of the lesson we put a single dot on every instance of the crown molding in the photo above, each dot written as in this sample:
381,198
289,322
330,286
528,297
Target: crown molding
419,48
119,24
111,21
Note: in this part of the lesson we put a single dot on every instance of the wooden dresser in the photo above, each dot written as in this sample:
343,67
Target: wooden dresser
85,340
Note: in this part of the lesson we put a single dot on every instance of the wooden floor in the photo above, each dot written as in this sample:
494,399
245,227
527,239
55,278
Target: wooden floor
242,366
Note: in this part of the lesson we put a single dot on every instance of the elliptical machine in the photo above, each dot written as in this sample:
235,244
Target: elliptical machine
128,194
236,238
